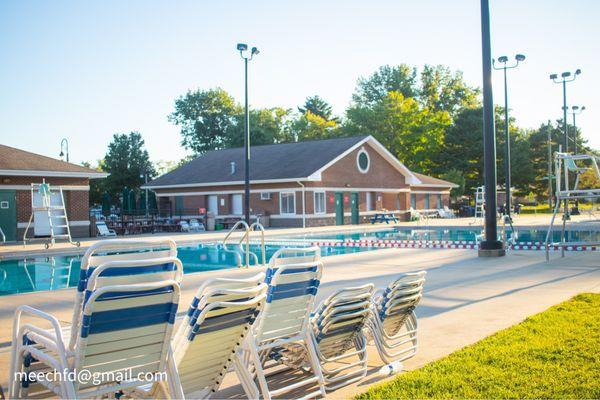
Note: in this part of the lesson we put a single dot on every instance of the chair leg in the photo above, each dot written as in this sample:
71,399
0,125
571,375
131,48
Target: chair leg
313,359
260,373
245,378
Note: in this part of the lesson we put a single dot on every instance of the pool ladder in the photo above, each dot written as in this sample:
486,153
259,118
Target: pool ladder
243,244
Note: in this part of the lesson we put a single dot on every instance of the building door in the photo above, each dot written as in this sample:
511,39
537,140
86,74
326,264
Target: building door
8,214
354,203
179,205
339,208
236,204
213,204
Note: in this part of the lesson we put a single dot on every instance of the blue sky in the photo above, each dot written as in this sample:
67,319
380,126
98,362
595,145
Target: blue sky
86,70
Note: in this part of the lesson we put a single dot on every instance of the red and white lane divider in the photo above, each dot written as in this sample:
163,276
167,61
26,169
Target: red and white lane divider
440,244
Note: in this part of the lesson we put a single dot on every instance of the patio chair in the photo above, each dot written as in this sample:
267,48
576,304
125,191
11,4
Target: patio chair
394,323
206,343
123,341
293,279
184,226
103,229
196,226
338,336
449,212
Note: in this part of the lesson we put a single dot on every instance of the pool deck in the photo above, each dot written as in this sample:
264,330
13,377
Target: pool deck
18,250
466,298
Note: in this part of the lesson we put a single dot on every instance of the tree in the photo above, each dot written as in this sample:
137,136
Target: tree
126,160
97,186
402,78
455,176
444,90
317,106
205,116
267,126
411,132
309,126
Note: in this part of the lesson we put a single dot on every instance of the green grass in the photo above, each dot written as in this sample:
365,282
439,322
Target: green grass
554,354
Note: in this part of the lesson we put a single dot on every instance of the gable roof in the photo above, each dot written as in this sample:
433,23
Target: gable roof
430,181
271,163
16,162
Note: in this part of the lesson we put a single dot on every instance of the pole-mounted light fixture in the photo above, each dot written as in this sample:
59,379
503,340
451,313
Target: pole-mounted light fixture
64,144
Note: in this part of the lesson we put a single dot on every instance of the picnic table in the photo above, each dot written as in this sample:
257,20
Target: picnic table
383,216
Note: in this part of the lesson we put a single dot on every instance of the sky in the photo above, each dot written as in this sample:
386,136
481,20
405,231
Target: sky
86,70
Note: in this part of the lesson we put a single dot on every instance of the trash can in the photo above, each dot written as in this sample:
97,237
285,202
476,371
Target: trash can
210,221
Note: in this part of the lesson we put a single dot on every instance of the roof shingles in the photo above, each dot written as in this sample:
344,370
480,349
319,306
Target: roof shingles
12,159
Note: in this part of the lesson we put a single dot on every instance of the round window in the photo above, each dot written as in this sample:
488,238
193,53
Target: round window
362,161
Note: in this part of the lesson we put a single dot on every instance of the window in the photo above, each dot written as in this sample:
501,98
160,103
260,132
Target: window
362,161
370,206
213,204
427,205
236,204
413,201
439,201
287,203
319,202
265,195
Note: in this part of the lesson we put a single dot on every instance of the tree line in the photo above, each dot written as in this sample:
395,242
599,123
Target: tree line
429,118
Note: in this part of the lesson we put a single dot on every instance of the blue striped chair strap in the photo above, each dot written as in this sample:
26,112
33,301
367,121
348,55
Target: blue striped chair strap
271,272
84,274
123,295
295,289
224,321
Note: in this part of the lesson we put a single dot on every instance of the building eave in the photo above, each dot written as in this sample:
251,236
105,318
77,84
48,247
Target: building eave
58,174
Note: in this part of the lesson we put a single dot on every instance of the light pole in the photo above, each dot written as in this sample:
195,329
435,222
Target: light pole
243,49
490,246
565,77
574,111
64,144
503,60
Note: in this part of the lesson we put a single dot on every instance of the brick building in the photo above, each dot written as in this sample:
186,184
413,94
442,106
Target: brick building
19,169
312,183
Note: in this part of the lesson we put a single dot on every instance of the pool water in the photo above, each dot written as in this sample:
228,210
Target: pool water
468,235
60,272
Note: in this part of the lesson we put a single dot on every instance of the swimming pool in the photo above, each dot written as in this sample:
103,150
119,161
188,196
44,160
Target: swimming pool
59,272
448,234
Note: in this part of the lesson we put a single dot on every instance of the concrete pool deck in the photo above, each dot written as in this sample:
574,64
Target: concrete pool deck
18,250
466,298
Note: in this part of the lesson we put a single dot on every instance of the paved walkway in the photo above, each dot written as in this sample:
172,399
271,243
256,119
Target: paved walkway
466,298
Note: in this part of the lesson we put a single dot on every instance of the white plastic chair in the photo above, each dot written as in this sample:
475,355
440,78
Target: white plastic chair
293,278
394,323
196,226
103,229
185,227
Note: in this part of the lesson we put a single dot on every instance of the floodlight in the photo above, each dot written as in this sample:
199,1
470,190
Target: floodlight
503,59
553,76
255,51
578,71
575,108
242,47
565,74
520,57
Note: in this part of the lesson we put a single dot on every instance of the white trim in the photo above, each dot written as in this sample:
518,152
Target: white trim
280,208
229,183
308,189
332,215
315,202
430,192
450,185
61,174
63,187
71,223
363,151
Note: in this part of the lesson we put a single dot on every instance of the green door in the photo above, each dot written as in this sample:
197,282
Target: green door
8,214
339,208
179,205
354,207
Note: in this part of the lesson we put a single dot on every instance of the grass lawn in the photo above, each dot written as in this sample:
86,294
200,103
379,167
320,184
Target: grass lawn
554,354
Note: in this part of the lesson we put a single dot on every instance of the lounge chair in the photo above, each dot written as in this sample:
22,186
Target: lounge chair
103,229
293,279
339,338
196,226
184,226
125,331
394,322
206,343
449,212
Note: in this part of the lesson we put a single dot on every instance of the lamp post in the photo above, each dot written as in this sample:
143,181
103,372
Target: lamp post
565,78
503,60
574,111
490,246
243,49
64,144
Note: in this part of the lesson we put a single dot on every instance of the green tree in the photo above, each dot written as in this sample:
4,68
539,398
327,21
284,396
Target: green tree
267,126
455,176
445,90
411,132
317,106
97,186
401,78
126,160
205,116
309,126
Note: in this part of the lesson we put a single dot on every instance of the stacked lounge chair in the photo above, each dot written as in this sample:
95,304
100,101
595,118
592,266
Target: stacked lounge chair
394,322
122,321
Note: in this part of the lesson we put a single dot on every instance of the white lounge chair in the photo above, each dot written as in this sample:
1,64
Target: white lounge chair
394,322
339,338
184,226
125,331
196,226
206,343
293,278
103,229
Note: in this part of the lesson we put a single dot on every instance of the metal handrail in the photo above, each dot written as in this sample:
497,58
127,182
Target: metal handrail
253,227
3,236
228,250
244,243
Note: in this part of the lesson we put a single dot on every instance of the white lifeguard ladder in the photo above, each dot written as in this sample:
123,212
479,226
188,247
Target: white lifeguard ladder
479,205
48,215
565,164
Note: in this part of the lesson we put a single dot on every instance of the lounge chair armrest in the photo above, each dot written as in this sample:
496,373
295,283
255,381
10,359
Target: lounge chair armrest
34,312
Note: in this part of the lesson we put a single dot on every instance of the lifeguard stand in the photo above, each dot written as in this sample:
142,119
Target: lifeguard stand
567,164
48,215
